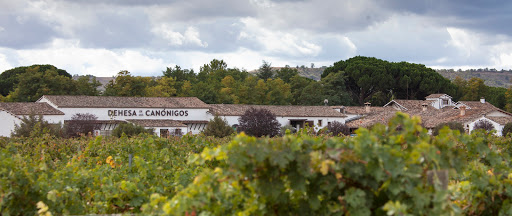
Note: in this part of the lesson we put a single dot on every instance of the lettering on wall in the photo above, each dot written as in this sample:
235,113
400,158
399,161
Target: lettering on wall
162,113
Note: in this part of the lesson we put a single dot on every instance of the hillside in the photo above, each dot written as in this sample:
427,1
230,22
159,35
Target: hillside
312,73
492,77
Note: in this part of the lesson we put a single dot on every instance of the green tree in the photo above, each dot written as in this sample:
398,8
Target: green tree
165,87
33,84
279,92
9,79
475,90
125,84
297,85
286,73
265,71
35,126
218,127
508,100
335,90
87,85
312,94
130,130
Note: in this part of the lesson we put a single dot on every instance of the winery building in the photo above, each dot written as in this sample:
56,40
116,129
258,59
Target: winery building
165,115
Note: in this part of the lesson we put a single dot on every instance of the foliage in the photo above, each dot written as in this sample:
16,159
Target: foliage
507,129
33,84
125,84
451,125
130,130
9,79
367,76
94,176
337,129
265,71
87,85
483,124
81,124
218,127
379,172
287,129
259,122
35,126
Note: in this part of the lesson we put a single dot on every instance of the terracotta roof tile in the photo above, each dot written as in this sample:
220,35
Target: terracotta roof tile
125,102
27,108
295,111
437,95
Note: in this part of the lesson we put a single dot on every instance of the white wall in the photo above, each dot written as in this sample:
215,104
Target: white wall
103,113
497,127
8,122
286,120
156,130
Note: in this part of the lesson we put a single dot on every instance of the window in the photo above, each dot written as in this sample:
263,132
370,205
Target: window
328,124
164,133
177,132
319,122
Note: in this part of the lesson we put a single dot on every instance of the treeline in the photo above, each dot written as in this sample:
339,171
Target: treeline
351,82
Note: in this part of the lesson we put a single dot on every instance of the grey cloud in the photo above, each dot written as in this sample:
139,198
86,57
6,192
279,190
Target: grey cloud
131,28
490,16
24,32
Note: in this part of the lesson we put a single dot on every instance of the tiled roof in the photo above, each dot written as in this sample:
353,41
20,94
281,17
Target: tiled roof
156,123
437,95
361,110
292,111
125,102
27,108
433,117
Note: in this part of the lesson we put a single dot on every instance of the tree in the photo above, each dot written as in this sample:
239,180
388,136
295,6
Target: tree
165,87
9,79
507,129
259,122
125,84
35,126
451,125
218,127
279,92
337,129
87,85
33,84
130,130
81,124
335,90
286,73
483,124
265,71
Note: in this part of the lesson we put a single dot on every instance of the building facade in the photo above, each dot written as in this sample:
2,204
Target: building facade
165,115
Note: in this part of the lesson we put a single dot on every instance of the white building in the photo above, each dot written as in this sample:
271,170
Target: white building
165,115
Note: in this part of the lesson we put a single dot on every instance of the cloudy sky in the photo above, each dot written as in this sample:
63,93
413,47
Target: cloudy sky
102,37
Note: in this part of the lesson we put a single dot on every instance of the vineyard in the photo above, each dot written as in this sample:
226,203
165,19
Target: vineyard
394,169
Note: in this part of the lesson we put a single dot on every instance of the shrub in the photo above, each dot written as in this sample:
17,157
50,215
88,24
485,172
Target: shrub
451,125
259,122
337,128
287,127
81,124
483,124
36,126
218,127
130,130
507,129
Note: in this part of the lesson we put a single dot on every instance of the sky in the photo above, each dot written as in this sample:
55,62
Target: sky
103,37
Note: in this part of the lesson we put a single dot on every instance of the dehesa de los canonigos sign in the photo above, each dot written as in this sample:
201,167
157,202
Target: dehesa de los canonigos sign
162,113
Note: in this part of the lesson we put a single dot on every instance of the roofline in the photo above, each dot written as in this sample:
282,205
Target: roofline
283,116
7,111
396,103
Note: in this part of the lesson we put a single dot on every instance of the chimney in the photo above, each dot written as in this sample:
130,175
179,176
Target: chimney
482,100
367,106
424,106
326,102
462,110
342,110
